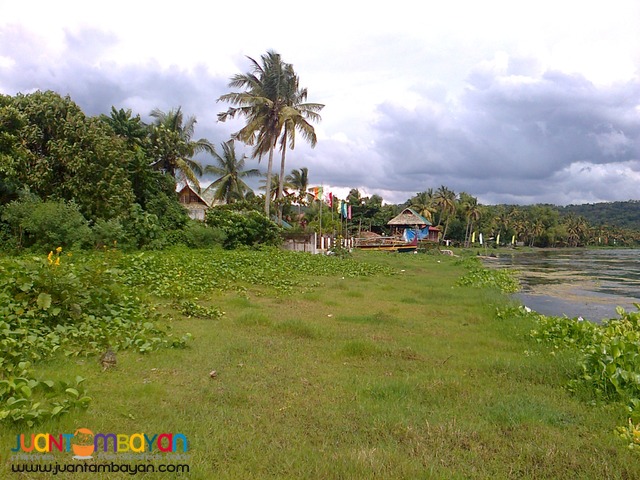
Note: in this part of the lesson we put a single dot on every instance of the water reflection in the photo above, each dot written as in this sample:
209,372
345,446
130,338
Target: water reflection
587,283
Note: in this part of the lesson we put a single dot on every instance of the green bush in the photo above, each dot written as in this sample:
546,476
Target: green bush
199,235
249,228
108,232
46,224
143,229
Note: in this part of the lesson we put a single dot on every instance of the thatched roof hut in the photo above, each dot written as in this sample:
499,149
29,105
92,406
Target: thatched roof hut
409,221
408,218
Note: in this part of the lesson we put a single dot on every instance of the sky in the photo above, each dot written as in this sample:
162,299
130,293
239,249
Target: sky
512,102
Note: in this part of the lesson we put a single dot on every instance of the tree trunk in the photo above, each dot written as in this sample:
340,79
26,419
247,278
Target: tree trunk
267,195
281,183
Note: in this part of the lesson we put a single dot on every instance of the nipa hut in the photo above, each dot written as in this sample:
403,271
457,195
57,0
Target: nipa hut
409,223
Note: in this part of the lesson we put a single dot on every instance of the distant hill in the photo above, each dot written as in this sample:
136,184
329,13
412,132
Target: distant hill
619,214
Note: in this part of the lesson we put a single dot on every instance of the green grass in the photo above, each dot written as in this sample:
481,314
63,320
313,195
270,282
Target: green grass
385,376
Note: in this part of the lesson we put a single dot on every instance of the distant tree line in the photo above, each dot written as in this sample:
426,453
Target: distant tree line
460,219
624,215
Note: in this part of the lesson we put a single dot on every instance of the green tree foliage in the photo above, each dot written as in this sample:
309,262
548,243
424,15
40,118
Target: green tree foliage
230,170
173,148
272,103
52,148
424,203
103,165
46,224
299,181
126,126
243,226
625,215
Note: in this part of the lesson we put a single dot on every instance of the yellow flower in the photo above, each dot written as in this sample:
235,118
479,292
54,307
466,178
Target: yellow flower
57,261
49,257
59,249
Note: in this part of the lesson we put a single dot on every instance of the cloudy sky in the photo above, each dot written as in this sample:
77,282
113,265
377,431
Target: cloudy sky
511,101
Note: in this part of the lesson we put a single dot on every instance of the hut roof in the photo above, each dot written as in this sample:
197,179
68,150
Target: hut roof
189,195
409,217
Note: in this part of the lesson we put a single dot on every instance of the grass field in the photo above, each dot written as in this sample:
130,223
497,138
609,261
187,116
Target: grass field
390,376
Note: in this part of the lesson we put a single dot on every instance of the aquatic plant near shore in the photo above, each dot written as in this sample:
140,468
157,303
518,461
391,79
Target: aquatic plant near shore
481,277
609,361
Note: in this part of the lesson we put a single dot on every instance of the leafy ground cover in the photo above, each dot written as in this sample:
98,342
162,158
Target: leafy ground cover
378,366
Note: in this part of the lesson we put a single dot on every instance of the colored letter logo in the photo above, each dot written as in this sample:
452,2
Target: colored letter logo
82,444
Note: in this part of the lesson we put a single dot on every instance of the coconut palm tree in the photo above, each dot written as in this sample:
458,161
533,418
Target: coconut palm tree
131,128
173,146
273,190
446,201
296,115
577,228
424,204
299,180
261,103
230,170
471,211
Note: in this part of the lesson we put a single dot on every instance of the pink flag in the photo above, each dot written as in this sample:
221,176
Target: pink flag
349,216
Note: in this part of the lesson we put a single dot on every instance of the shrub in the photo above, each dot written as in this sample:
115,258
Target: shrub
199,235
40,224
248,228
143,229
108,232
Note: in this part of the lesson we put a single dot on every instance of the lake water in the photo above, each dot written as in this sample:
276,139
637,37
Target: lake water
586,283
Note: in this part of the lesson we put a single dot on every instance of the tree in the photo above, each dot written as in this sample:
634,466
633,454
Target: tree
577,229
446,201
424,204
472,212
230,171
126,126
58,152
299,180
273,190
271,101
173,148
296,116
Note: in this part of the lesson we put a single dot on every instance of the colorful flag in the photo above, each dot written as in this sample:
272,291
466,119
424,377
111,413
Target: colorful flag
349,213
513,240
480,238
330,200
343,209
473,237
498,240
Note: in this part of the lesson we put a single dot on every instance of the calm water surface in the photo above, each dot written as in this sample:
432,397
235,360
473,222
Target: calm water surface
586,283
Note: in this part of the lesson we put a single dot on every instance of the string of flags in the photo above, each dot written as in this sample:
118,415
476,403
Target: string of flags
342,206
